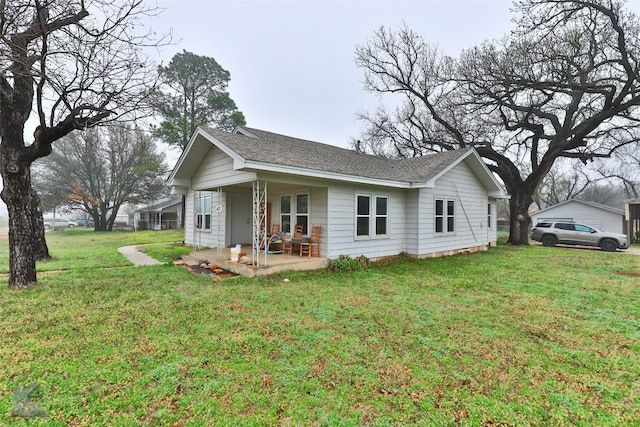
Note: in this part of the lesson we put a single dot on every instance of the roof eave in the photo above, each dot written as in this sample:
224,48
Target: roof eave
292,170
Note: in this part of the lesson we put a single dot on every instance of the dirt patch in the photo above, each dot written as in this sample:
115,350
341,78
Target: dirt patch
629,273
206,269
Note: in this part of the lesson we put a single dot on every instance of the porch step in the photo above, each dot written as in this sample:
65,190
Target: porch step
193,260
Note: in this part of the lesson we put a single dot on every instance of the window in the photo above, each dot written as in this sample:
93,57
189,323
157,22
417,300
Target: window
445,216
203,212
302,211
583,228
372,216
451,216
489,215
381,216
294,210
565,226
285,214
363,217
439,215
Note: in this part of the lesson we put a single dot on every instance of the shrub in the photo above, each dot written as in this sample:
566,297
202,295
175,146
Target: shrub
345,262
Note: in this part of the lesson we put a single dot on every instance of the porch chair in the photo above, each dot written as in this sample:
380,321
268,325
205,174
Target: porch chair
296,239
314,242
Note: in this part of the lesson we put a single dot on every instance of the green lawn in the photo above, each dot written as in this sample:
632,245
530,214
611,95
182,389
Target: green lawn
512,336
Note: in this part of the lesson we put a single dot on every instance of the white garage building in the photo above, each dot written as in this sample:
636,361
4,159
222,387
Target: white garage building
602,217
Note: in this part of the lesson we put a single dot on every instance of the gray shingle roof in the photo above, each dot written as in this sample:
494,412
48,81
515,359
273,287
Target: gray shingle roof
271,148
161,205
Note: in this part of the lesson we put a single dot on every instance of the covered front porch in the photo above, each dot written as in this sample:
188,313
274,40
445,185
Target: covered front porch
275,263
247,214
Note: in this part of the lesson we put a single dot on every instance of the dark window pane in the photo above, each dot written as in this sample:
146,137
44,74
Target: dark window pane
285,204
302,219
439,207
363,205
450,207
302,203
450,221
439,221
207,221
381,205
381,225
286,223
362,228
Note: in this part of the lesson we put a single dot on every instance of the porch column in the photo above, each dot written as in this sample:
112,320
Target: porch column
259,222
219,212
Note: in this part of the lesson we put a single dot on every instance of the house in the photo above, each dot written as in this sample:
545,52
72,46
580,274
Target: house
602,217
163,215
239,183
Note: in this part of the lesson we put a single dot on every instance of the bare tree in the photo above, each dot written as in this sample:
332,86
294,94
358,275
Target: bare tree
564,84
623,168
75,64
560,185
101,169
593,184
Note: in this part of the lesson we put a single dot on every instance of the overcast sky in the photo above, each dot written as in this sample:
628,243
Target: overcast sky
292,62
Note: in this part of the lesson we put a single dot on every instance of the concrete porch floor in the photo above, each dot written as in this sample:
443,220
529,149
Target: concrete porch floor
275,262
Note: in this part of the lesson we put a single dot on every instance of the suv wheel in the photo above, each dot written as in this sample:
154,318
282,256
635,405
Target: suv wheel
549,240
47,226
608,245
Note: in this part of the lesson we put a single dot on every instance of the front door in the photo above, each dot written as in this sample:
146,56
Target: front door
239,218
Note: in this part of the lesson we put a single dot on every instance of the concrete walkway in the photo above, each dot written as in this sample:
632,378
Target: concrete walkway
136,257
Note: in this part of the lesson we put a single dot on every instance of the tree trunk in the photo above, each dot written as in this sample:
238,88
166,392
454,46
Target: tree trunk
23,246
519,219
42,251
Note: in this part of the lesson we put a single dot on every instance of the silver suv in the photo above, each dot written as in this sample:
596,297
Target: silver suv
551,233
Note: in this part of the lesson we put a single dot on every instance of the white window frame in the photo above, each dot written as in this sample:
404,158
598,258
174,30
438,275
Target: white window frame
293,208
376,216
489,208
445,216
359,215
371,216
284,214
306,214
201,214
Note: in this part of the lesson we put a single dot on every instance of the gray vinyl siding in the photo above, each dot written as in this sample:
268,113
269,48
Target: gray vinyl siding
341,217
585,214
188,218
217,171
413,221
318,214
460,185
204,238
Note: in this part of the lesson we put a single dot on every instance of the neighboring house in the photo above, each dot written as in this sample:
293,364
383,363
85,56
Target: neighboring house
434,205
602,217
163,215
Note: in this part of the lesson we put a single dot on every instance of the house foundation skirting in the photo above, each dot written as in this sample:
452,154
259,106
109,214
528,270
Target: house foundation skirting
461,251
